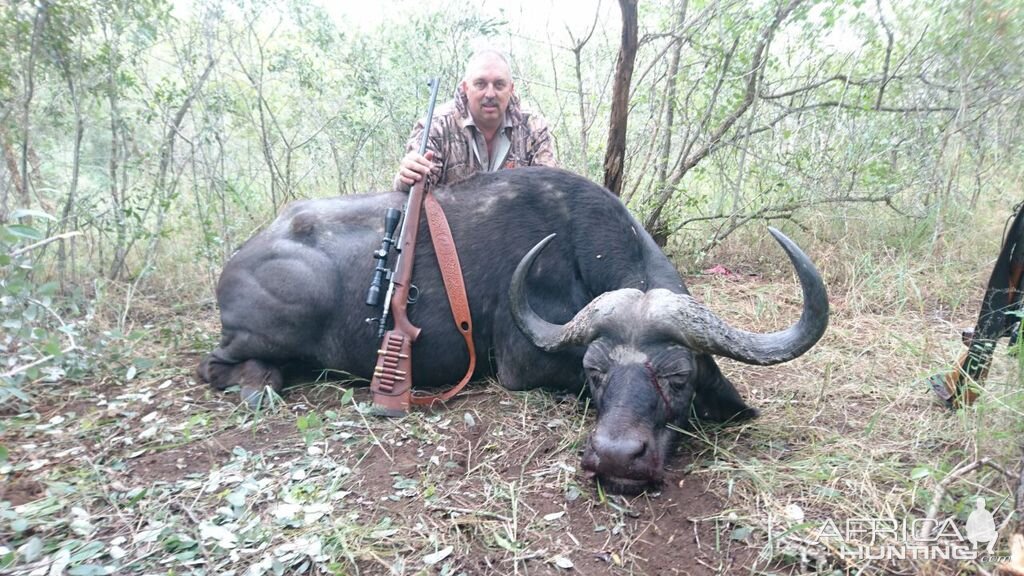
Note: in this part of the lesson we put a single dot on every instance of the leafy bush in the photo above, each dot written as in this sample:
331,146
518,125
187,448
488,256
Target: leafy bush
35,341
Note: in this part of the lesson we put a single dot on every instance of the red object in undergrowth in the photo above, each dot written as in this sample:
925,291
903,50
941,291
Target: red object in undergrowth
719,270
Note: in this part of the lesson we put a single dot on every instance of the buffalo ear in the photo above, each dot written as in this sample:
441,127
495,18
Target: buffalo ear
716,398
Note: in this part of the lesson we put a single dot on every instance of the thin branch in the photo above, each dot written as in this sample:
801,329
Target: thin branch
888,55
940,491
19,369
42,243
759,58
836,78
777,212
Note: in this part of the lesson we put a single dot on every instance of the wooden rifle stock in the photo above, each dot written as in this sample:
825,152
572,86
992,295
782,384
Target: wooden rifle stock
391,384
1003,300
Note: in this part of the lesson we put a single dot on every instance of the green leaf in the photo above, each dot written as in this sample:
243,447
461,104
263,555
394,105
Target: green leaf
7,560
32,550
4,454
920,472
88,552
347,396
136,494
52,347
88,570
740,533
506,544
405,483
30,213
236,498
22,231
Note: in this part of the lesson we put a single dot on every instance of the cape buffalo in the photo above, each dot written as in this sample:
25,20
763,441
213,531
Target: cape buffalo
600,305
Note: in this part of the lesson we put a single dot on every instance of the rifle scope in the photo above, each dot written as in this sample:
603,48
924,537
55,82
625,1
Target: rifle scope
380,272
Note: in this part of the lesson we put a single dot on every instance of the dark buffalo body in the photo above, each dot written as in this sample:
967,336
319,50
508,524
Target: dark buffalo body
295,292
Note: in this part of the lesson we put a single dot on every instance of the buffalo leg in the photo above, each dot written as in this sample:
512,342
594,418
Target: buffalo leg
252,376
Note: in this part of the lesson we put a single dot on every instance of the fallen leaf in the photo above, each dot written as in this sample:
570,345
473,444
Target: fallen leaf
314,512
60,561
286,511
431,559
222,536
31,550
718,270
794,513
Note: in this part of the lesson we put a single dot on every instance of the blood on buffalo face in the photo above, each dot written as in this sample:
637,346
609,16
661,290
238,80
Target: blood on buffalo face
648,364
638,391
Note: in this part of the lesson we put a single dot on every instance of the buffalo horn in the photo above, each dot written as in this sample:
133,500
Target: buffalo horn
695,326
545,335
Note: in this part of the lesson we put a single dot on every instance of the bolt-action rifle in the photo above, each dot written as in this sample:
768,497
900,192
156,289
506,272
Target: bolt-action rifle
999,317
391,384
392,377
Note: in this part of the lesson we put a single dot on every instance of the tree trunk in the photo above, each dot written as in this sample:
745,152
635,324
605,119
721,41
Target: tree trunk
117,195
11,162
76,158
660,235
615,155
37,26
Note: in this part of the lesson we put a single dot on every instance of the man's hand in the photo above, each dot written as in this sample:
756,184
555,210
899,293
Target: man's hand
414,167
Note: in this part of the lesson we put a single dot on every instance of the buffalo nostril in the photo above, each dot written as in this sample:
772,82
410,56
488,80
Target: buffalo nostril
618,453
630,449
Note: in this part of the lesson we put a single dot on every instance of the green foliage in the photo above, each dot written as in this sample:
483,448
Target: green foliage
311,427
199,124
31,332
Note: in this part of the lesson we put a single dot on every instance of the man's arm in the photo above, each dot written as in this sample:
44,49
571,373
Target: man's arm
413,166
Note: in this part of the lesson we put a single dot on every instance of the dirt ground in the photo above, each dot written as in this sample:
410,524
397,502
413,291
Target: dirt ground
158,474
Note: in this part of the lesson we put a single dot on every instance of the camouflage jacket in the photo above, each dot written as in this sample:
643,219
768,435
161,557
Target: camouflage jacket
451,140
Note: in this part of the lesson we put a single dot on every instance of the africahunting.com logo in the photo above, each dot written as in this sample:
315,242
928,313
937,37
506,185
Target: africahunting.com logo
914,538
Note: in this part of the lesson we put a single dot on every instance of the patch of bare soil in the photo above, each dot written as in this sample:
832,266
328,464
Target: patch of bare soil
21,489
687,532
199,457
519,502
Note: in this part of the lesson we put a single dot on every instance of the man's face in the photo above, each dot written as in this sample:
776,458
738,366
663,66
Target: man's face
488,86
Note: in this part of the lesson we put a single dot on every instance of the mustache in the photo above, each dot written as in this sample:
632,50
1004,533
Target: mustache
489,102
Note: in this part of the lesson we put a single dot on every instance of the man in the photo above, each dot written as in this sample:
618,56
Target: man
482,130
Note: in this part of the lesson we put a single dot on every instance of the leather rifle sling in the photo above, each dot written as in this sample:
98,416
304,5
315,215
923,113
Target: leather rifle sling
451,273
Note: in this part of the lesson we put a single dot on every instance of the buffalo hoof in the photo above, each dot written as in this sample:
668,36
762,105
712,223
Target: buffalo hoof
253,396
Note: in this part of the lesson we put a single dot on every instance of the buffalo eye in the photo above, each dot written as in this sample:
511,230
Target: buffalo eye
596,380
676,381
595,375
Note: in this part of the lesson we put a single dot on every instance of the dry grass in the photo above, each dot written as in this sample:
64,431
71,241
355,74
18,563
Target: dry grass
155,474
